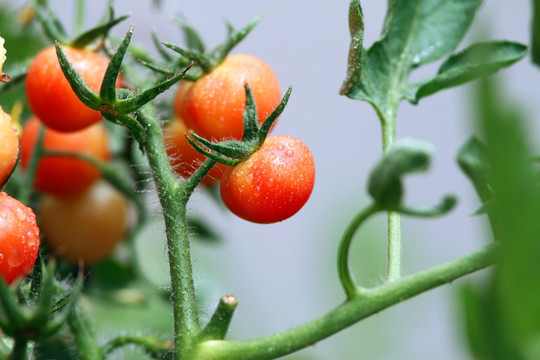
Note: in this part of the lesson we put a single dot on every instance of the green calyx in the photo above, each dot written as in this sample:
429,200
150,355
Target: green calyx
54,30
233,152
195,51
116,105
36,310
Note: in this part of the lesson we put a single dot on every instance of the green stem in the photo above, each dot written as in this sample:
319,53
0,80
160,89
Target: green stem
79,16
352,311
20,349
344,271
152,345
28,183
173,197
87,347
394,266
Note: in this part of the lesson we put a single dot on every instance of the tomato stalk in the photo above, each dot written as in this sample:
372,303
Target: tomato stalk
174,197
20,349
395,247
353,310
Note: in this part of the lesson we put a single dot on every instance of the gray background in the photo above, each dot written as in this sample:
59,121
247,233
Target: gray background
285,274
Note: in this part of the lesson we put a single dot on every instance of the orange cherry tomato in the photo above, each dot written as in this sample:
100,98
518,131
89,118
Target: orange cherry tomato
213,106
61,175
49,94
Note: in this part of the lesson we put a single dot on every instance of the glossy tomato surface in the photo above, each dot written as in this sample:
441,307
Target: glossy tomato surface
61,175
86,227
272,184
9,146
213,106
19,238
49,94
183,157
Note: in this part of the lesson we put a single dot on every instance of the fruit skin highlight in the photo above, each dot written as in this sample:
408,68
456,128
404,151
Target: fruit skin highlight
19,238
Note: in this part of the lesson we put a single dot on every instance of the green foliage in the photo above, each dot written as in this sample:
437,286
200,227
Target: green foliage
418,32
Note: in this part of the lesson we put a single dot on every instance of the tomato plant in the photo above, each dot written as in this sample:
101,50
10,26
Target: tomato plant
273,183
49,94
9,146
86,227
19,238
183,157
213,105
64,175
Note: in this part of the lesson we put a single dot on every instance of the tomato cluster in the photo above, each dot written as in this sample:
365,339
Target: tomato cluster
275,181
81,218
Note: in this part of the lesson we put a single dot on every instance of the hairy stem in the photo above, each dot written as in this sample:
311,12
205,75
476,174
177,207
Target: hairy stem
173,197
357,308
20,350
394,267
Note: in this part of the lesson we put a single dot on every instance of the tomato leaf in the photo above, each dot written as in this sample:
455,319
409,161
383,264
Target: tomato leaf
517,286
404,156
417,32
478,60
354,64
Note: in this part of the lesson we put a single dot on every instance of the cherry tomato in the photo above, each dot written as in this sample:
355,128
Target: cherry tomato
183,157
19,238
213,106
273,183
49,94
61,175
9,146
86,227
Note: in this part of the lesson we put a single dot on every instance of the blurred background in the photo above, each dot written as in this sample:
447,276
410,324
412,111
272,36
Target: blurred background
285,274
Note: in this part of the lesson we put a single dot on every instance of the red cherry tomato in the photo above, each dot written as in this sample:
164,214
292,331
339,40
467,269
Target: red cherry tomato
19,238
213,106
86,227
9,146
272,184
49,94
60,175
183,157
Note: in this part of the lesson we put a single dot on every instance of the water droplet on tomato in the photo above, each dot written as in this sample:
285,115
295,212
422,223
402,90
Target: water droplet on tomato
289,153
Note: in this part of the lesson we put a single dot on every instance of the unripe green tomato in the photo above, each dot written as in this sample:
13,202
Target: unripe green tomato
86,227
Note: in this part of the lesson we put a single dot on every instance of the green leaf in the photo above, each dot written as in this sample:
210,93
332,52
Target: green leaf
535,30
473,160
478,60
418,32
404,156
517,206
354,64
476,310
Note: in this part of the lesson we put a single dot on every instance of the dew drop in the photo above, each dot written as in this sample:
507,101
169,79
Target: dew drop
289,153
